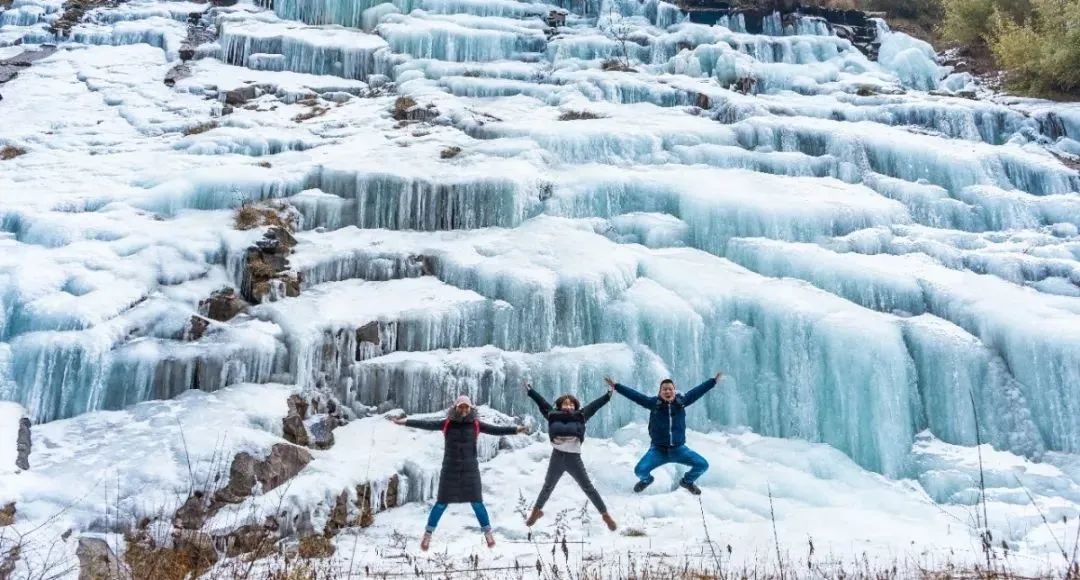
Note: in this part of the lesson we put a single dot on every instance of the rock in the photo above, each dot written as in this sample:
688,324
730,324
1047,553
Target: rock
22,445
97,561
407,109
702,101
267,273
196,549
294,430
196,328
283,462
298,405
177,73
7,514
192,515
249,539
223,305
241,480
339,515
320,431
237,97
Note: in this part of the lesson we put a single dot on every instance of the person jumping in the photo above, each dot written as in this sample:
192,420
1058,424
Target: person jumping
459,480
566,428
667,431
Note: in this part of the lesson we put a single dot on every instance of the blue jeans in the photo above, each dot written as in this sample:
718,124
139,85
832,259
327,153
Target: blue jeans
683,455
477,507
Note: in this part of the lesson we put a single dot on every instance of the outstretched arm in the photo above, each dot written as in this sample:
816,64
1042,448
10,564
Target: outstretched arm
425,424
596,405
700,390
501,429
639,398
541,402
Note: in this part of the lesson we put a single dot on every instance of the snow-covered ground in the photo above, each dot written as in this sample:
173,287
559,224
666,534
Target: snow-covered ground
96,471
886,269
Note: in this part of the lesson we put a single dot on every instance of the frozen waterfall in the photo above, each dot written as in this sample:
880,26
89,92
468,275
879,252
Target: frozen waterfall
484,192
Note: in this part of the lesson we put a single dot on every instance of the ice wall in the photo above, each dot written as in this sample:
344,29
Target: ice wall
490,192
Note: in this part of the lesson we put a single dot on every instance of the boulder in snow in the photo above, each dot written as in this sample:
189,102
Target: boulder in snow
97,560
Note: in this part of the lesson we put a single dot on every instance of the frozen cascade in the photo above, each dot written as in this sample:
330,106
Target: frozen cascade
321,51
486,197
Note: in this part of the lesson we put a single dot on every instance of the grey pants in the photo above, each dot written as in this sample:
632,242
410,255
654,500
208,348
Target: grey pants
562,462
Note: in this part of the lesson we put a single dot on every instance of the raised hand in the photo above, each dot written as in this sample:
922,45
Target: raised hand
397,420
719,376
610,383
522,429
528,386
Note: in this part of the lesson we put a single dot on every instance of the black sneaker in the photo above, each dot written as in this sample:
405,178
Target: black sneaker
690,487
640,486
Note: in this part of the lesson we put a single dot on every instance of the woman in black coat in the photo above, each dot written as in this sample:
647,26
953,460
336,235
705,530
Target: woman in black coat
459,480
566,428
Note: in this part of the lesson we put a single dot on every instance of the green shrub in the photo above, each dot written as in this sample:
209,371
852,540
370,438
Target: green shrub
1040,56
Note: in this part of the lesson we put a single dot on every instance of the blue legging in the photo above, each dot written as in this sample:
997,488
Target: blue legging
477,507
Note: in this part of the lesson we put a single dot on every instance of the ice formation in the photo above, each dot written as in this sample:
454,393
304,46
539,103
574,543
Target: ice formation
874,251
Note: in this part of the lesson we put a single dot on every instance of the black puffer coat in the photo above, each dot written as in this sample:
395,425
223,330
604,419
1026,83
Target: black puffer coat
563,424
459,481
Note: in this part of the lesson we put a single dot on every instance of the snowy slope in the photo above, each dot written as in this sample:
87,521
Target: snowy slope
882,257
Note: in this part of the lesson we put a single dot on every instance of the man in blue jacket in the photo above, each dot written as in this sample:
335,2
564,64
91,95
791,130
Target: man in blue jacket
667,431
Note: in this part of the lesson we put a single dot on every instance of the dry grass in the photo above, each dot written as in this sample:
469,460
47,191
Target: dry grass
314,111
200,128
616,65
316,546
253,215
11,152
152,563
578,116
402,106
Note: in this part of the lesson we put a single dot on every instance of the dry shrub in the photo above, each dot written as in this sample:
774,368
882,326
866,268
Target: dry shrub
253,215
616,65
402,106
316,546
314,111
11,152
151,563
578,116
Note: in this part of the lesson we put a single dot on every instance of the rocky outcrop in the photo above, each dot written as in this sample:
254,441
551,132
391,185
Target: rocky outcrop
97,561
294,431
221,306
316,431
192,515
362,512
320,430
10,67
74,10
406,109
267,275
283,462
22,445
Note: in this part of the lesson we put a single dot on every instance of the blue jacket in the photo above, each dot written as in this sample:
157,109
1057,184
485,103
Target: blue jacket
667,421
